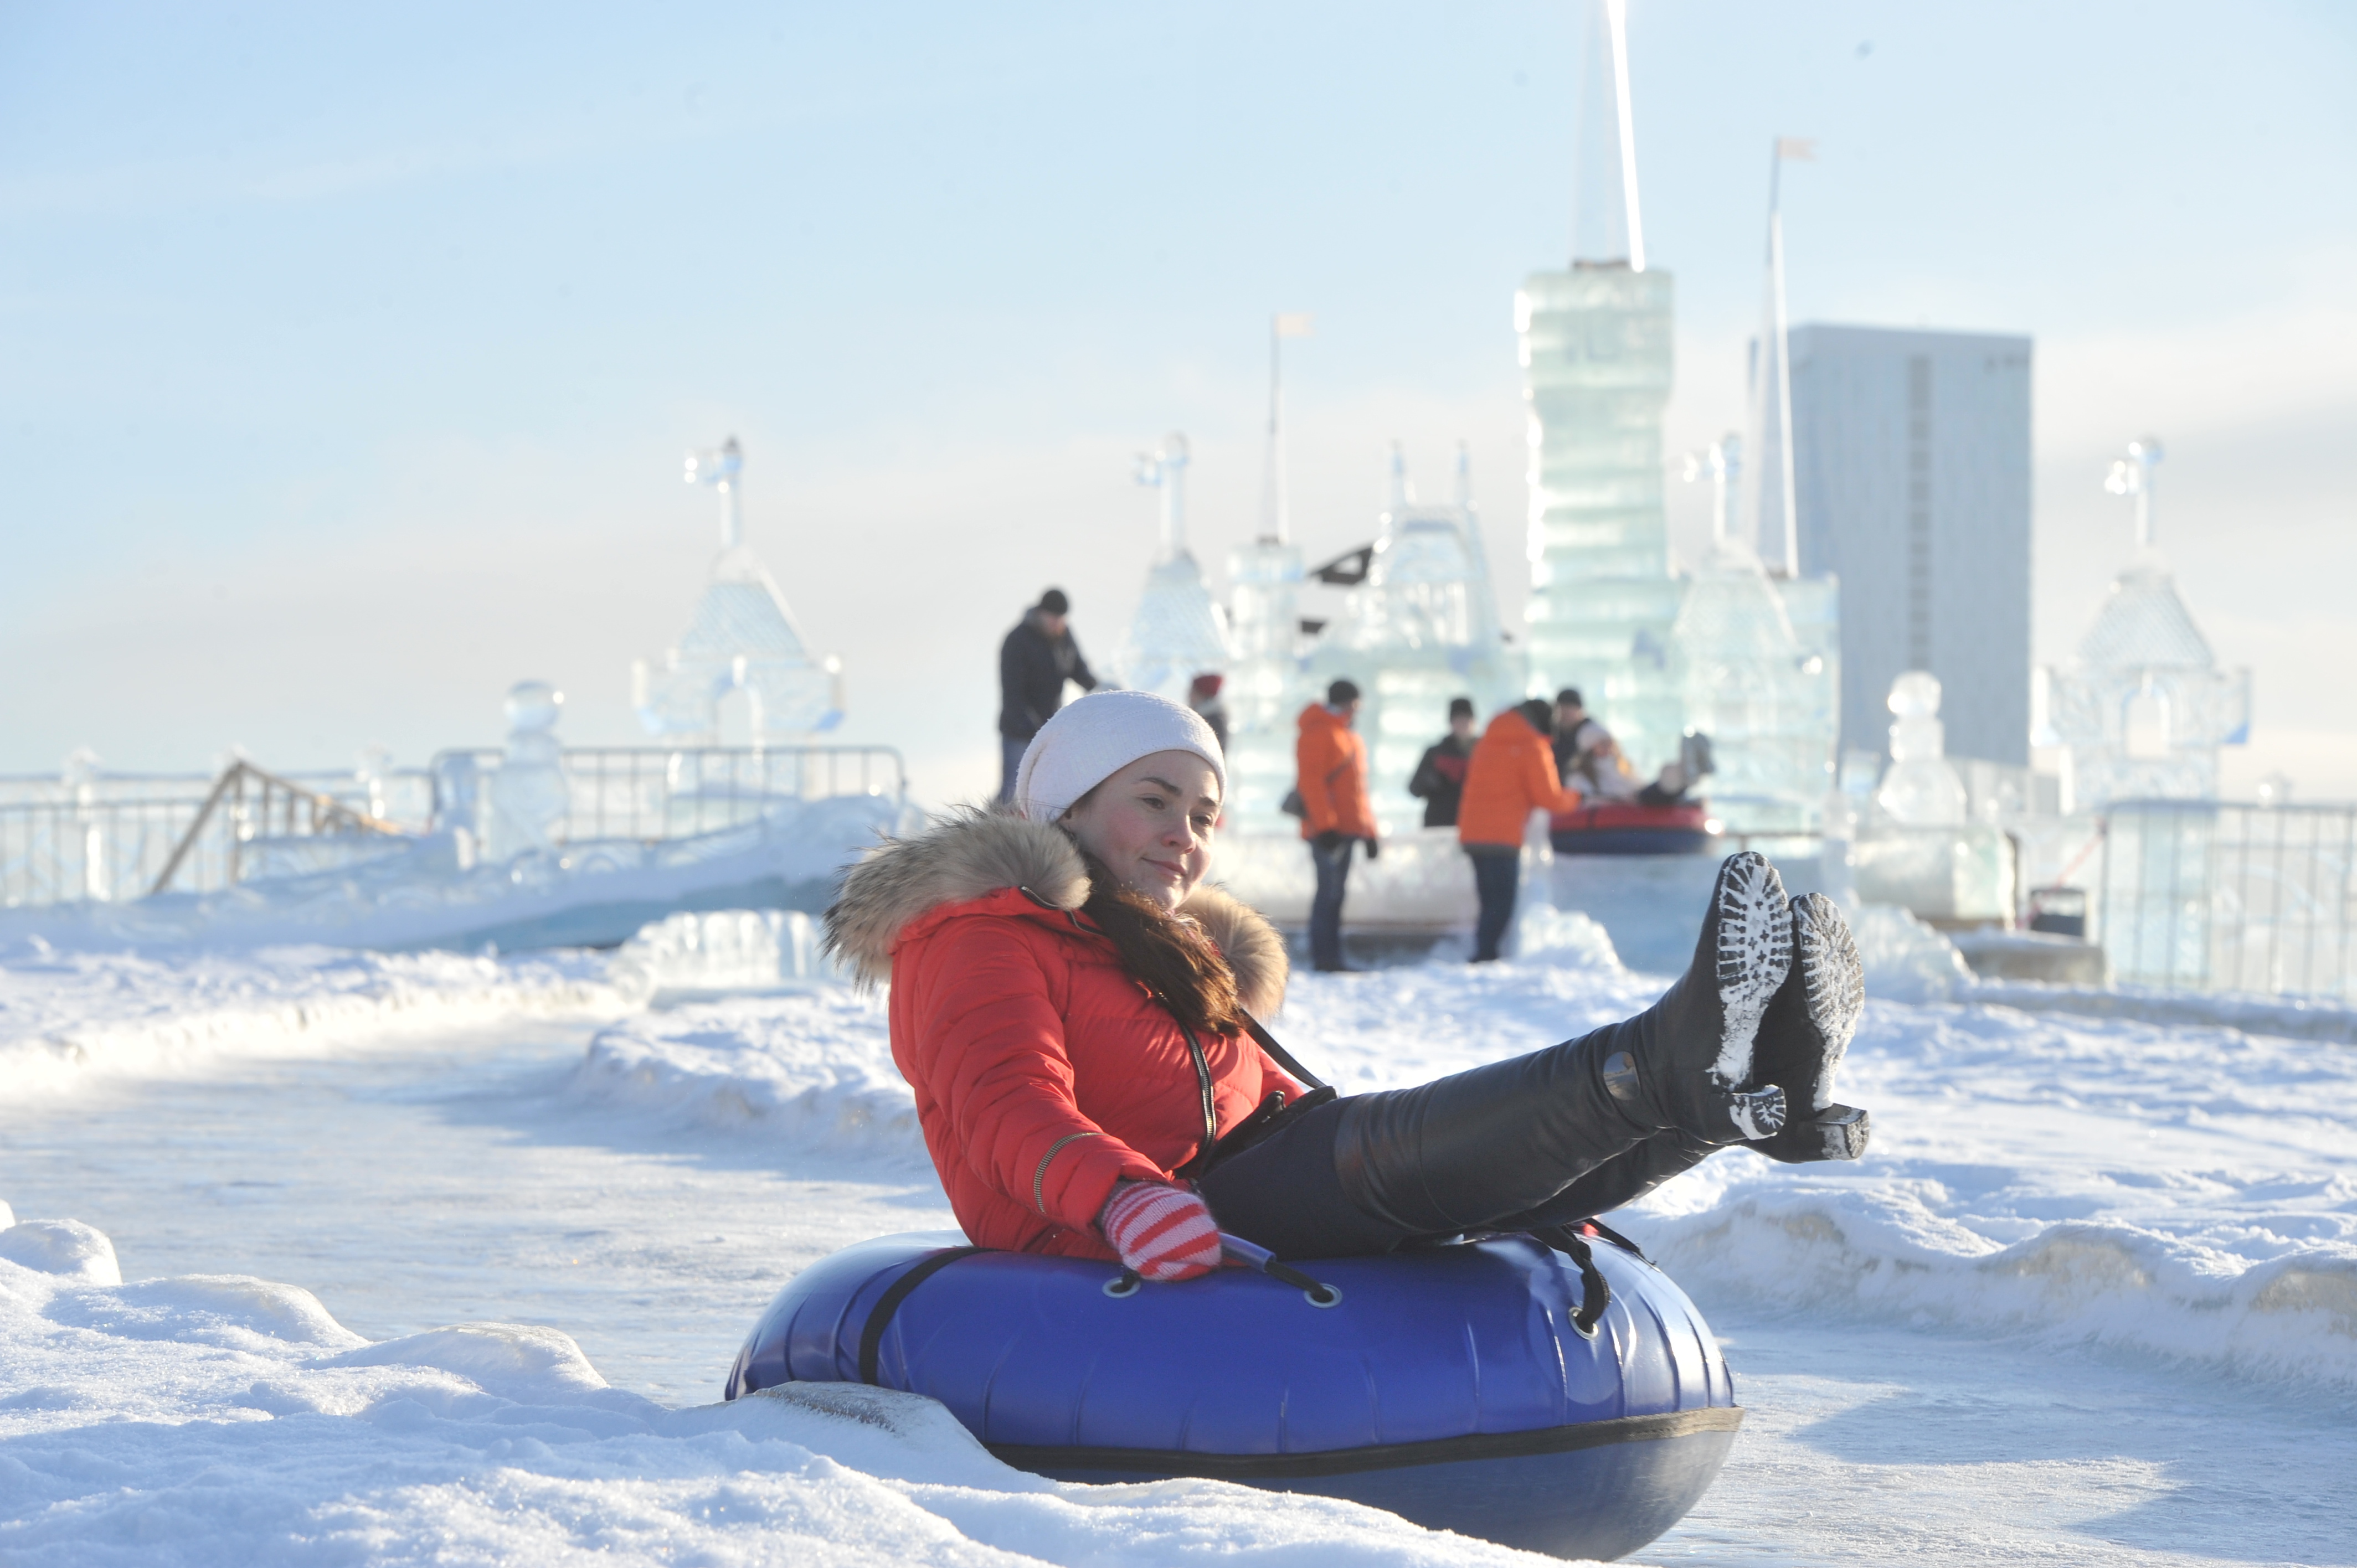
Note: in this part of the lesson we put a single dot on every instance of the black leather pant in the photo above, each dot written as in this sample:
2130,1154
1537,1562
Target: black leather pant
1535,1141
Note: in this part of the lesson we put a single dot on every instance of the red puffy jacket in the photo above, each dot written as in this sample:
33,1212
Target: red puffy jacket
1043,1072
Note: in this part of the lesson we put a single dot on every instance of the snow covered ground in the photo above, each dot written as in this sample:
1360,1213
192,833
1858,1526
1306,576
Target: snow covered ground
2093,1297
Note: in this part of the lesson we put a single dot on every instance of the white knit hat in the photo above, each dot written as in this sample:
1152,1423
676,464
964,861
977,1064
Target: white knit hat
1089,742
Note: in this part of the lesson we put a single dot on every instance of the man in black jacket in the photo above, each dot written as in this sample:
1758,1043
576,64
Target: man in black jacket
1440,777
1038,656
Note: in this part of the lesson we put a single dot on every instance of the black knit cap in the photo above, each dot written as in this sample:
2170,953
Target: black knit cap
1341,693
1568,698
1460,707
1541,713
1054,603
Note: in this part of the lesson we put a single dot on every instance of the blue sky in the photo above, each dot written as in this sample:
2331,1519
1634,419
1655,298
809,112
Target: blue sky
350,354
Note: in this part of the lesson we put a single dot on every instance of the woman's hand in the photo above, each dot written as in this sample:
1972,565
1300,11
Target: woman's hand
1162,1232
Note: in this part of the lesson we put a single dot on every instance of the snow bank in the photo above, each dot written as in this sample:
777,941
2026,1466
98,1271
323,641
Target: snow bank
1905,960
2188,1193
2185,1191
66,1015
699,953
812,1069
228,1421
2292,1017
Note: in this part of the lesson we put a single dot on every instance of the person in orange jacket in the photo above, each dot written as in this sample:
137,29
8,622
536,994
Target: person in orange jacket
1511,775
1331,761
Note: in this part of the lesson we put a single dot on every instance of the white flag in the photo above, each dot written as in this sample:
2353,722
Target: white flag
1294,324
1801,149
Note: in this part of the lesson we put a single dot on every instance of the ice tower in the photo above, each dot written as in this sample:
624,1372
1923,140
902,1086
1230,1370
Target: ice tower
1595,342
1757,646
2143,710
1422,628
1265,686
1177,633
742,638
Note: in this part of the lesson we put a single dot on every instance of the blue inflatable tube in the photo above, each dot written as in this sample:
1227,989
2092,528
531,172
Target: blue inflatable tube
1451,1386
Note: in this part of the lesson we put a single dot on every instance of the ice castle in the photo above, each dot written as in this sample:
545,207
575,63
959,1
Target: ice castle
1420,629
1178,632
2142,711
742,638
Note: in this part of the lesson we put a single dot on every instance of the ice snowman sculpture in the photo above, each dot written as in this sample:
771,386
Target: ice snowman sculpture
529,797
1922,789
1919,848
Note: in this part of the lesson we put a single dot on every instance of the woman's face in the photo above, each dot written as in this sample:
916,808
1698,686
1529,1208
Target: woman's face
1151,823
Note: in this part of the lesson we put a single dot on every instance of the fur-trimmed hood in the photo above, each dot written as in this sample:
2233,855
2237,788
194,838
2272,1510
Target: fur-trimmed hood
974,852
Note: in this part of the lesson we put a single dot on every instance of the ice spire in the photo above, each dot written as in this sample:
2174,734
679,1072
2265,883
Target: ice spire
1275,518
1606,230
2133,476
1723,461
719,468
1775,529
1165,472
1397,492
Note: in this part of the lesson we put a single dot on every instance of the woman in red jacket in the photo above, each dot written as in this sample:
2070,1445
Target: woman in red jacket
1074,1007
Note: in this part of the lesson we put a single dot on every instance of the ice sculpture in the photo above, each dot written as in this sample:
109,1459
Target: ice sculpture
742,638
1177,633
1917,849
1920,789
1746,680
1595,345
1422,628
529,797
2142,711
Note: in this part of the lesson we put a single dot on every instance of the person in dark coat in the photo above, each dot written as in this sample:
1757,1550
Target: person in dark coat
1038,656
1203,696
1440,777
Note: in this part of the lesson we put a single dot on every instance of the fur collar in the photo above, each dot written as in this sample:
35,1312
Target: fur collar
972,852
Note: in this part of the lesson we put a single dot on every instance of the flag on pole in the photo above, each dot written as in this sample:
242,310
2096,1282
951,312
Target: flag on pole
1293,324
1799,149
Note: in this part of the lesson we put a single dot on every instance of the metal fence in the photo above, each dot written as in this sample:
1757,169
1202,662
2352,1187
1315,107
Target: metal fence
110,836
2205,896
55,851
666,792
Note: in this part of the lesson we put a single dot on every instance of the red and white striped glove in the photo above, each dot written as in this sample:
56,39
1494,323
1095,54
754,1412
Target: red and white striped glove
1162,1232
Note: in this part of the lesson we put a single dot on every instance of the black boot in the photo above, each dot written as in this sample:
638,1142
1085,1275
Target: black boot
1807,1028
1463,1152
1685,1060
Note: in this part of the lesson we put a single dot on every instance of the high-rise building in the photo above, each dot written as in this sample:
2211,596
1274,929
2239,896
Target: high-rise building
1911,469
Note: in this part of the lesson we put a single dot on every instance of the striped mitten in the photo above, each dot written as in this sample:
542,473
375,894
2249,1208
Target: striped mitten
1162,1232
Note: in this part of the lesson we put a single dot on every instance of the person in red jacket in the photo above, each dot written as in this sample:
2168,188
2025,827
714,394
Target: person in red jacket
1511,776
1075,1011
1331,761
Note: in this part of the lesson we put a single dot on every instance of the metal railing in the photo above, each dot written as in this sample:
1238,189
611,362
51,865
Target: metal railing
665,792
115,836
241,809
2196,894
55,851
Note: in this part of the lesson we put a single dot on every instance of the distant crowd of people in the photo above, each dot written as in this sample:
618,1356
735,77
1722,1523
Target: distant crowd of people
1535,756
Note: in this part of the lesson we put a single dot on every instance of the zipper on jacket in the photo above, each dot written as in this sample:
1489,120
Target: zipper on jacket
1040,1176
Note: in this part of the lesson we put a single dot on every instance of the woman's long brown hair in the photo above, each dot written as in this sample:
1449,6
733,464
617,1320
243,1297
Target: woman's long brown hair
1172,956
